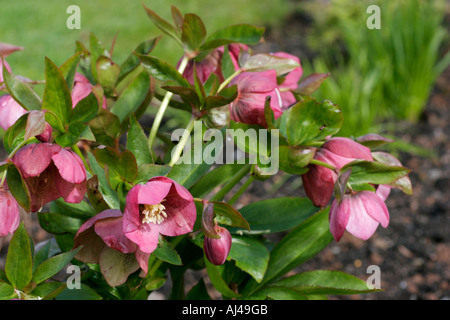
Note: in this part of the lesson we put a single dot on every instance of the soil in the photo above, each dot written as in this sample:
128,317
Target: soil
413,252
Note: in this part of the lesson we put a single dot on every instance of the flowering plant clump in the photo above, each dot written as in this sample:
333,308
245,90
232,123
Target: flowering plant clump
133,209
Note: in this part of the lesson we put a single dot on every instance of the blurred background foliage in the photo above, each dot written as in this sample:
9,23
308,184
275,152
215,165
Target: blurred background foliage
378,77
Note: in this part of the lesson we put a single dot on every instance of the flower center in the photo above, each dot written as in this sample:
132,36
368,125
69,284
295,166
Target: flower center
154,213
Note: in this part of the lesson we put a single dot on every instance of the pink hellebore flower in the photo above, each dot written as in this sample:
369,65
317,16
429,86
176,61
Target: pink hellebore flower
81,89
51,172
10,111
319,181
359,214
9,212
160,206
253,88
217,250
290,81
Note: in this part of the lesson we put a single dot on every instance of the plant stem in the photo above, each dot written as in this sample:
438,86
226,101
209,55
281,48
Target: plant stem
235,180
228,80
163,107
176,153
323,164
241,190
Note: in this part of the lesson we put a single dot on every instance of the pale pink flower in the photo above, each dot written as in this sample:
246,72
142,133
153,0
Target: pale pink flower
359,214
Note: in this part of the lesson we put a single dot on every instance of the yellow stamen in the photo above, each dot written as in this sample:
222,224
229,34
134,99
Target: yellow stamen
154,213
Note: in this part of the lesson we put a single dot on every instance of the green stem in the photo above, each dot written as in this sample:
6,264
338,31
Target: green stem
163,107
241,190
323,164
184,139
228,80
235,180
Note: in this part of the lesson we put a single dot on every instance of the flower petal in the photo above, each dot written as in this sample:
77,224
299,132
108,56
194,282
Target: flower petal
111,231
375,207
347,148
154,191
34,158
9,213
10,111
360,224
70,166
339,216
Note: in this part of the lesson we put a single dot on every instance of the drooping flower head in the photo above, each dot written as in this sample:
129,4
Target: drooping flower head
253,89
9,212
319,181
160,206
51,172
359,213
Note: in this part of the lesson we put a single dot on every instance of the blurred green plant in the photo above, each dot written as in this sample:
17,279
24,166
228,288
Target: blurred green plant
379,76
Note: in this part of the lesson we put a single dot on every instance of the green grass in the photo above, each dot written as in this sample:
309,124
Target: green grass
383,75
40,26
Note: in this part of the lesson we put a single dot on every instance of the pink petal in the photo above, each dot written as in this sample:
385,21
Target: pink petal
383,191
111,231
146,237
34,158
142,259
109,213
42,188
339,216
292,78
360,224
10,111
154,191
131,219
181,216
347,148
9,213
256,82
70,166
375,207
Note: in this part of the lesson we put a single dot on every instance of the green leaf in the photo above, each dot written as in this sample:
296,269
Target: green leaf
56,223
214,178
217,280
325,282
124,163
137,143
163,25
226,214
166,252
57,97
311,83
49,290
309,121
250,255
298,246
6,291
85,110
21,92
19,263
148,171
374,172
53,265
240,33
15,134
276,215
280,293
69,68
132,61
262,62
105,127
162,70
81,210
117,266
132,97
109,195
84,293
193,33
18,187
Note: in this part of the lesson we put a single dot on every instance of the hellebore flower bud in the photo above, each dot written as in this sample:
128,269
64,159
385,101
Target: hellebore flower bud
46,134
217,250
